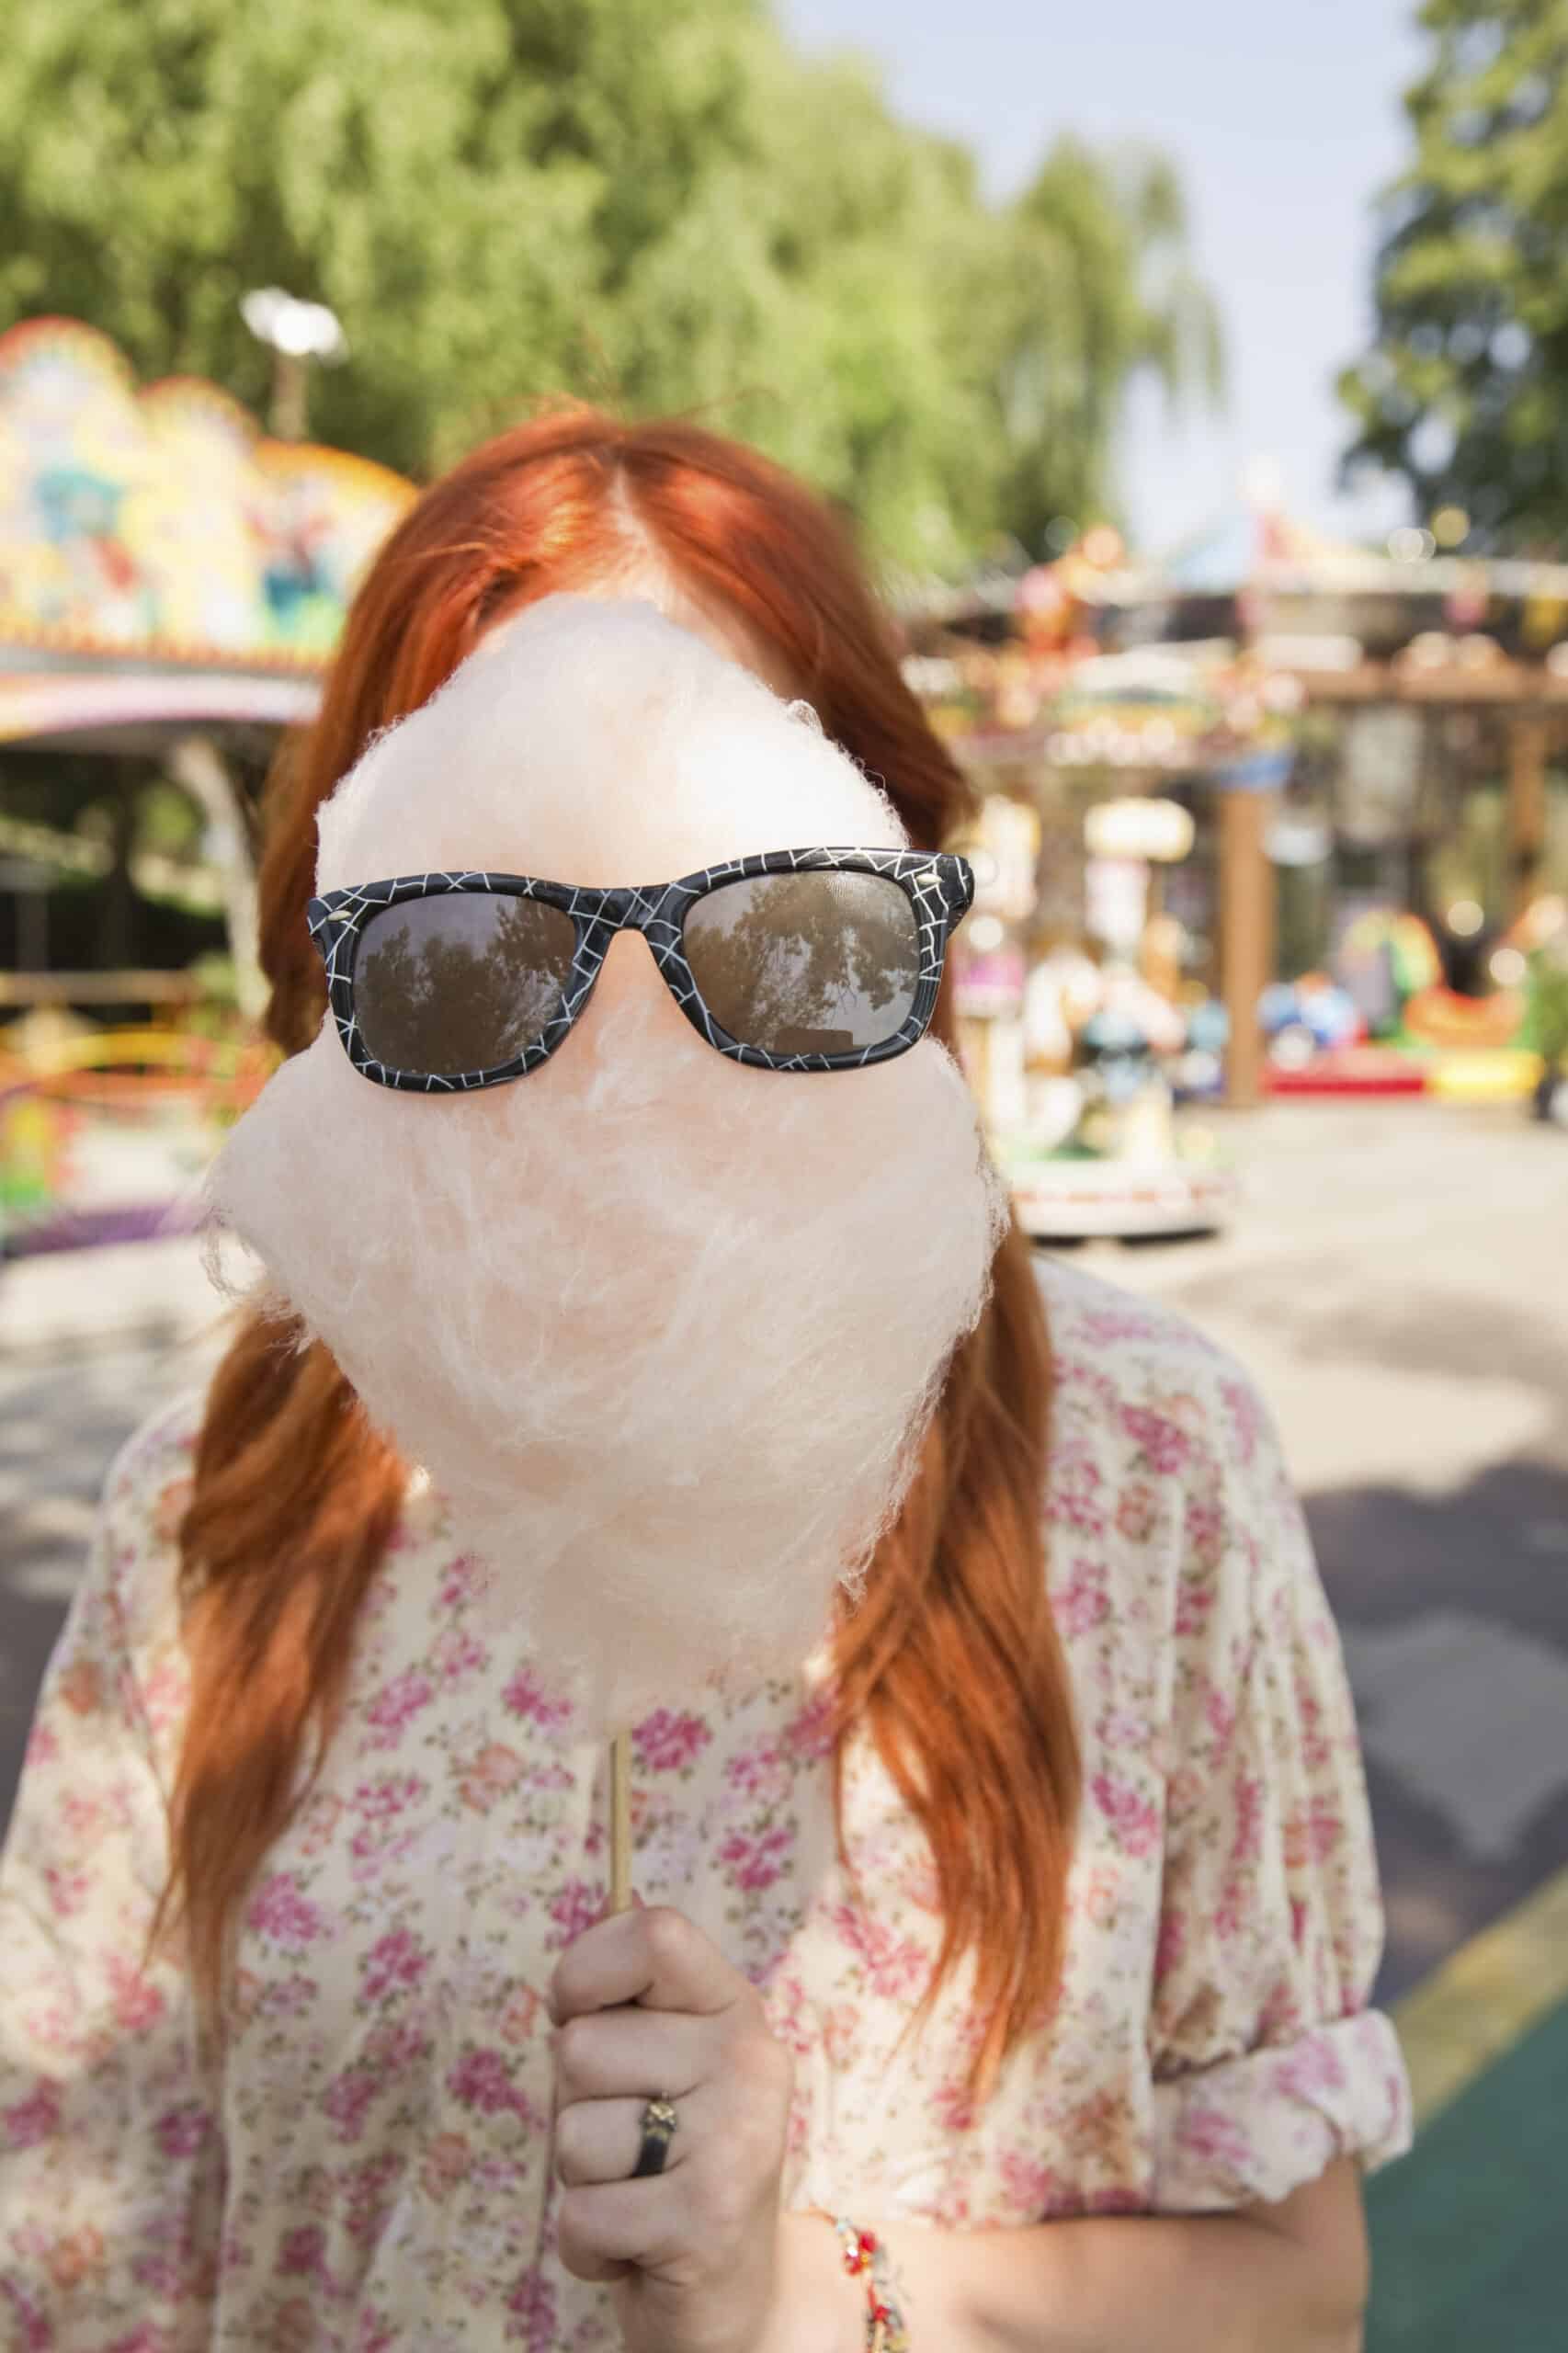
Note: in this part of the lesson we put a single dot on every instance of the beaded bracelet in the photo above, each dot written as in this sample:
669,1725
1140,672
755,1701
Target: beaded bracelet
866,2258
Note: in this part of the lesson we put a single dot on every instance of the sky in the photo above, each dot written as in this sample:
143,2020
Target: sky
1284,117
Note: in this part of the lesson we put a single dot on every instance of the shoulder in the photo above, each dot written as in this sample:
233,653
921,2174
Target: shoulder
145,1491
1125,1354
1169,1511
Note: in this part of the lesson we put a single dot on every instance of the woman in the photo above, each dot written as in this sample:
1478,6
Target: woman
1086,1741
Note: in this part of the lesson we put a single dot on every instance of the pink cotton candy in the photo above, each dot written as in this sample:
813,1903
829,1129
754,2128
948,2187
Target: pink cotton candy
663,1331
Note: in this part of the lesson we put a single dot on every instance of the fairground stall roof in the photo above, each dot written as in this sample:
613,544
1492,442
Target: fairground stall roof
164,567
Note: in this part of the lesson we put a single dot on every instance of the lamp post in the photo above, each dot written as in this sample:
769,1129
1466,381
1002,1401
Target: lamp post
295,333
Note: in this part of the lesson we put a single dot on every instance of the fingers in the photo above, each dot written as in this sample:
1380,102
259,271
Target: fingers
601,2140
611,2053
651,1955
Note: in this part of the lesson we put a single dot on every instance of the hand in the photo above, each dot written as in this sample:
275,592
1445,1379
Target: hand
646,2007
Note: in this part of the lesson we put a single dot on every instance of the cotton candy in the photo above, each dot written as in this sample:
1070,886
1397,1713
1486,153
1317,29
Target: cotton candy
663,1332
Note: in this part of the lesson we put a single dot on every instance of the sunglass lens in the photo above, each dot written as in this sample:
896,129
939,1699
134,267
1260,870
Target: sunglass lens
465,981
810,963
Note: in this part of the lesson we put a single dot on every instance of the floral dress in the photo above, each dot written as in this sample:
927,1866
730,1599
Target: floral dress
368,2168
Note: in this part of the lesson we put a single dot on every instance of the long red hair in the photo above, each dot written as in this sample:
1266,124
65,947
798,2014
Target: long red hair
951,1661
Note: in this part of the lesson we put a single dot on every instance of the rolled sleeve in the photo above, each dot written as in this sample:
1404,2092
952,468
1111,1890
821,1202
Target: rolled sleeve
1267,2061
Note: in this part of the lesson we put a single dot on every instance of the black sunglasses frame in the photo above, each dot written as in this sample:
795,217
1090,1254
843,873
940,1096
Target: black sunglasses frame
939,886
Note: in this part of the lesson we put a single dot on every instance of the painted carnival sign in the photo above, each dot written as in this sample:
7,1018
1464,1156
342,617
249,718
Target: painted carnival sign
161,526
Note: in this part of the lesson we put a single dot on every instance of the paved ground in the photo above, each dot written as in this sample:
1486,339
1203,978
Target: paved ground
1395,1281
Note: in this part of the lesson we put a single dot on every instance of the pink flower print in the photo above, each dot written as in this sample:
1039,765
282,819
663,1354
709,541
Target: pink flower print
1081,1603
32,2119
483,2080
301,2252
183,2130
457,1653
280,1913
576,1906
293,2328
72,2260
461,1580
43,1746
1208,2133
1203,1525
526,1696
1246,1417
144,2339
954,2103
759,1771
68,1891
347,2099
1031,2183
446,2162
1246,1837
1195,1599
1074,1495
138,2004
1134,1821
1102,1327
1170,1945
1119,1728
387,1795
520,2015
663,1743
1137,1512
286,1998
1312,1832
1220,1713
1314,2066
1095,1893
809,1734
80,1814
368,2195
1163,1444
493,1772
397,1961
841,2031
319,1822
894,1965
530,2309
81,1687
752,1862
395,1705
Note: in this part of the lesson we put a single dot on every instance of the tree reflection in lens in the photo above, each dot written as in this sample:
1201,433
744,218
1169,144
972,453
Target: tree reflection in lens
817,964
463,982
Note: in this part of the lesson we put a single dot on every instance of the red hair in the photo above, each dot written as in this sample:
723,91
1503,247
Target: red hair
951,1661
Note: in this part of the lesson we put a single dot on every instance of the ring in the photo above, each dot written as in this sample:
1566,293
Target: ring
658,2124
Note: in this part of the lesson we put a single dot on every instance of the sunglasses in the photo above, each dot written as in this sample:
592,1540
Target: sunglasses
798,959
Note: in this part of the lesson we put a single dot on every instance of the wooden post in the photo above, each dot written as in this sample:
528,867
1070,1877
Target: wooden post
1525,829
1246,937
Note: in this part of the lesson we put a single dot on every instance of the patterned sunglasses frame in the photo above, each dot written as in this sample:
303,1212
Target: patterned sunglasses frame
939,886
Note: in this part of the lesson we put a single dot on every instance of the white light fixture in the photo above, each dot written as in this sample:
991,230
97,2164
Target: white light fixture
1162,830
299,330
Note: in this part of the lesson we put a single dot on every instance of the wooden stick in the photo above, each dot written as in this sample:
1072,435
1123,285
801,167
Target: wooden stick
620,1821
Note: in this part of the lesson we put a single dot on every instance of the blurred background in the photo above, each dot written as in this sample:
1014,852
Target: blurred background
1196,384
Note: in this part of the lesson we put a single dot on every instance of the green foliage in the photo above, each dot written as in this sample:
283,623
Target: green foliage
1547,1027
1465,390
653,202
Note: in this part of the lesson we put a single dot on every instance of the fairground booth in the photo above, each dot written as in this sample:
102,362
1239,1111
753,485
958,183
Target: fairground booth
172,583
1271,818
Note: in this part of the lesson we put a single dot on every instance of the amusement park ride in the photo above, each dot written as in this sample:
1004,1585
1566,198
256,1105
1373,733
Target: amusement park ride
172,583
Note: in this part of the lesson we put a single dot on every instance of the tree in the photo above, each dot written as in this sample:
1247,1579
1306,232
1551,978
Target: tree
1093,287
1465,390
654,202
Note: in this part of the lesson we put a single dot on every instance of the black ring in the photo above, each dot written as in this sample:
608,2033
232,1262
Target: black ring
658,2126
